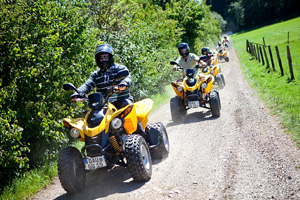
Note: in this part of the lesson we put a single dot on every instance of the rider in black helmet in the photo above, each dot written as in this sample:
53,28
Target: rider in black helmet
101,50
206,55
219,48
225,41
103,77
184,49
205,51
186,60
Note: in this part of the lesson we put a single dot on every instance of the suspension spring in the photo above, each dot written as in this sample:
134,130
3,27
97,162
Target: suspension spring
115,143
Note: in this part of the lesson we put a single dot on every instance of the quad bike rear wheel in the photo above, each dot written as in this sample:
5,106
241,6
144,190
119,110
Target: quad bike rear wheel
71,170
220,69
178,110
215,104
227,59
163,147
219,81
222,76
138,158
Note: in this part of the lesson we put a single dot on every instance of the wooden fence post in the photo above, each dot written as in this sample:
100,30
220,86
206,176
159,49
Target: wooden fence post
258,53
252,50
290,62
271,57
266,56
255,52
279,60
247,46
262,57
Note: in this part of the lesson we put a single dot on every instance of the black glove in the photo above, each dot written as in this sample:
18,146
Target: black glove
75,95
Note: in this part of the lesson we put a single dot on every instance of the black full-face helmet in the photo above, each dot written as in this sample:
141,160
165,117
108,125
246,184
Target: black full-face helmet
219,43
104,49
184,49
205,51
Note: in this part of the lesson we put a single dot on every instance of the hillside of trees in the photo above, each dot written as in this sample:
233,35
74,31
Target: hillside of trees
247,14
46,43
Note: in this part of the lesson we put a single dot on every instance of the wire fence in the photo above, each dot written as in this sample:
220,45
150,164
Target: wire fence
264,54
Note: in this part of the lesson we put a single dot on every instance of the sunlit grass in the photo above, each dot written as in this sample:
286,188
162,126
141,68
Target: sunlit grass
280,93
160,99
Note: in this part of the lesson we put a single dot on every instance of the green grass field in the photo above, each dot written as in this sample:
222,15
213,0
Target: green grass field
280,93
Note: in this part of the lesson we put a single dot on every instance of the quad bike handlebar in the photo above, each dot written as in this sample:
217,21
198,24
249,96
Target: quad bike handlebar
83,97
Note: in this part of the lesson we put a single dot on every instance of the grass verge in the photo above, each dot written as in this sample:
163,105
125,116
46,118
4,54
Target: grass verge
280,93
160,99
27,185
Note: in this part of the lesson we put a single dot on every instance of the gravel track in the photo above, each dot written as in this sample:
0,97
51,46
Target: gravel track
243,154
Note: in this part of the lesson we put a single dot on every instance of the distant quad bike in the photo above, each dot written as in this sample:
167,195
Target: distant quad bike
214,70
222,54
193,91
120,137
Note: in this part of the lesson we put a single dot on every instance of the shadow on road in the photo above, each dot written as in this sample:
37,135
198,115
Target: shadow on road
104,182
193,117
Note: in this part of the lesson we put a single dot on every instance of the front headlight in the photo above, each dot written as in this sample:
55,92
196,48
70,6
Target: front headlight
212,72
179,89
204,70
116,123
203,85
74,133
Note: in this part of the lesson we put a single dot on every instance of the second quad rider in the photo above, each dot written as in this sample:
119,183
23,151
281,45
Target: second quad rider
103,77
186,60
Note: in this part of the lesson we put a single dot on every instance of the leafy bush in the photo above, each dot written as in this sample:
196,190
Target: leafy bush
42,46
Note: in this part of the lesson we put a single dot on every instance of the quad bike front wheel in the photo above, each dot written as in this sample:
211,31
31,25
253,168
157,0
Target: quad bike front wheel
138,158
178,110
71,170
163,147
227,59
215,104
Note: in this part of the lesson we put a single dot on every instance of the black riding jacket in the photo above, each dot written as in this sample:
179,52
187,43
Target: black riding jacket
103,80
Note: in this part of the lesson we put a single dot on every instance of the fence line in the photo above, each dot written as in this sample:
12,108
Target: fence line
258,51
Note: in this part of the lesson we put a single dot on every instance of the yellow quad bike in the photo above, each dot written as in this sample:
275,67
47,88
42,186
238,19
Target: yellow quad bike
222,54
214,70
120,137
193,91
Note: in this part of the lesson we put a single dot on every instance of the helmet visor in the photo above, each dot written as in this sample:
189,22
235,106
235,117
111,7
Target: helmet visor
184,52
103,57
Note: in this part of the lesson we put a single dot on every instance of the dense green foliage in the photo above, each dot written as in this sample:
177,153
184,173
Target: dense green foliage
43,44
47,43
279,92
245,14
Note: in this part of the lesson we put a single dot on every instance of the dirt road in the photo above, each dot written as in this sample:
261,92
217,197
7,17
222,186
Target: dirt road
244,154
